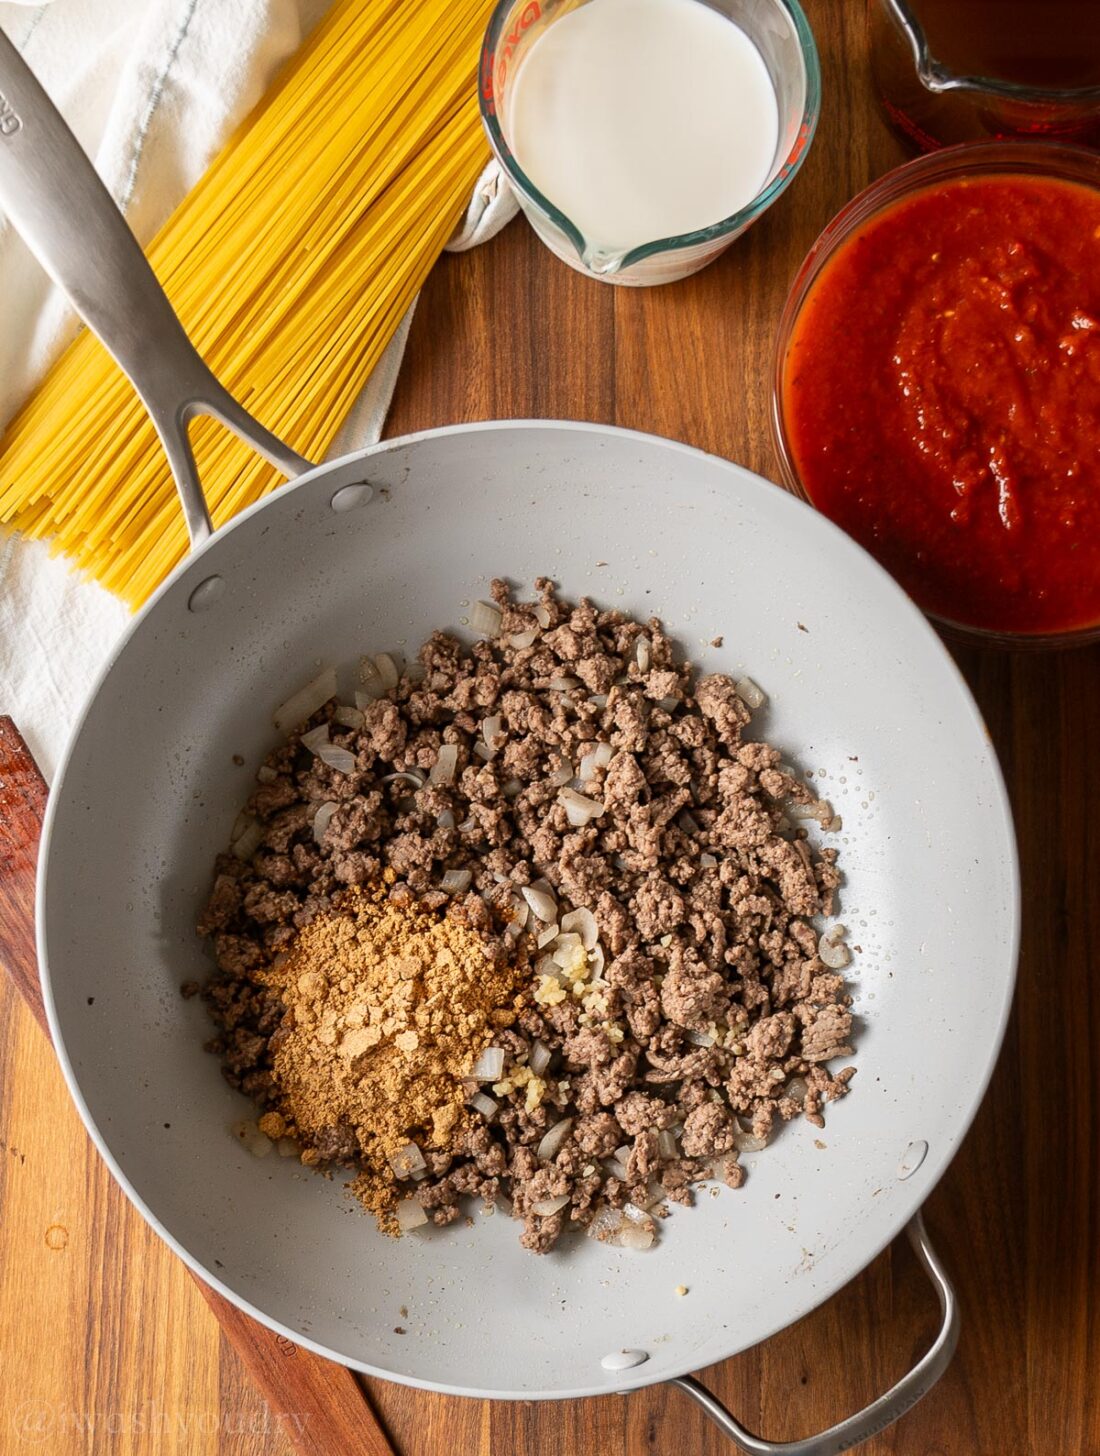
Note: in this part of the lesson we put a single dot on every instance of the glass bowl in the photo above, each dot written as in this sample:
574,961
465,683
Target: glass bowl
783,37
970,160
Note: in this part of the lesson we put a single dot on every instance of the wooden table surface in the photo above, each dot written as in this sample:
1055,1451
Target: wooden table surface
107,1346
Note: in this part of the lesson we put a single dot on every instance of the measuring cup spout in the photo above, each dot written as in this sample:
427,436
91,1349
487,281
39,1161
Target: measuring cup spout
602,260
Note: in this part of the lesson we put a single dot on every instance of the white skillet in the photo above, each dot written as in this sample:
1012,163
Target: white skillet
372,552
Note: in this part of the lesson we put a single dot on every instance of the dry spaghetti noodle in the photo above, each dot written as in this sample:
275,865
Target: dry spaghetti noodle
291,264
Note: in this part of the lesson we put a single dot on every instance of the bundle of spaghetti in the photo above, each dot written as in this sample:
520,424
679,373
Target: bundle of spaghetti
291,264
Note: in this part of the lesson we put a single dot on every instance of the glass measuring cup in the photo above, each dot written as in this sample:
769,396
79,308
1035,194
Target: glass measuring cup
1009,70
781,34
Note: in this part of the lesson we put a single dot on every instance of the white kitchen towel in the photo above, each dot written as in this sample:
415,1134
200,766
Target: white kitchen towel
151,88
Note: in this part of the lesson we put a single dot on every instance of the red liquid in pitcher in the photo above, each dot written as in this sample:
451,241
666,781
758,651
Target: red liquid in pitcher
1032,42
1052,45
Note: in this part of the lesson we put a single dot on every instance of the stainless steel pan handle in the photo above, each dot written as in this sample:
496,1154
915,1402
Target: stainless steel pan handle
51,193
880,1413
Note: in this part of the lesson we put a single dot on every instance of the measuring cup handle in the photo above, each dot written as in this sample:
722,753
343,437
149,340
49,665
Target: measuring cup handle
54,198
880,1413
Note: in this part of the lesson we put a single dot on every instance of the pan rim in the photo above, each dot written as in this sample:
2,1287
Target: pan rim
938,1160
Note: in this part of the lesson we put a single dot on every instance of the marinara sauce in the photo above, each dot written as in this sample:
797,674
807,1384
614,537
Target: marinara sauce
941,396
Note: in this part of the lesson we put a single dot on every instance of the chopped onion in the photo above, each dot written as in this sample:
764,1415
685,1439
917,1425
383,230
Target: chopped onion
540,1057
314,739
445,819
341,760
598,757
641,653
541,614
563,684
707,862
522,640
443,770
405,776
797,1089
637,1215
410,1215
631,1236
598,700
321,819
544,905
257,1143
482,751
565,949
520,913
265,775
666,1144
616,1166
489,1066
583,923
546,1206
387,670
747,1142
348,717
483,1104
832,950
407,1161
669,705
553,1139
750,694
485,618
699,1038
654,1193
596,960
245,844
605,1225
579,809
490,729
467,825
305,702
819,809
549,934
562,774
511,788
371,680
455,882
688,822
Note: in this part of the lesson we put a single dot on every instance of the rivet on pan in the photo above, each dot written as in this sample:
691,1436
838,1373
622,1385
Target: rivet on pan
624,1359
348,497
912,1158
206,594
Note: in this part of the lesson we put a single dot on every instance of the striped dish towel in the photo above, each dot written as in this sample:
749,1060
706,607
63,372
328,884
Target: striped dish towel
151,88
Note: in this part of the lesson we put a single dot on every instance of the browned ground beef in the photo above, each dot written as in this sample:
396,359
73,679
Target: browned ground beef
712,997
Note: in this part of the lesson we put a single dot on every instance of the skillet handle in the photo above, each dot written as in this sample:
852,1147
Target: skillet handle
880,1413
55,199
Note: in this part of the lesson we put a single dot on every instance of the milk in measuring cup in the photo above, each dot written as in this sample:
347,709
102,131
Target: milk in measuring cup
643,119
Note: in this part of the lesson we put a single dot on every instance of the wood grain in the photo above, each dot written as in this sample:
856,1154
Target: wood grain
109,1321
326,1407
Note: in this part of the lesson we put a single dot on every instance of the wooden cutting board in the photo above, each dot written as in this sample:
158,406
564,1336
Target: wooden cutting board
100,1326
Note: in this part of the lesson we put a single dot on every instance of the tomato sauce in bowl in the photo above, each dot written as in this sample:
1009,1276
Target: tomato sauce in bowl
938,388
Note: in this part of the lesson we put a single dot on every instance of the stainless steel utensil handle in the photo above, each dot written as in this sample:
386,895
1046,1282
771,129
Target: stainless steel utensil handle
880,1413
53,196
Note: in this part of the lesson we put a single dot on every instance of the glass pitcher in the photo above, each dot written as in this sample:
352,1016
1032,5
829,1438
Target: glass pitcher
949,71
781,34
